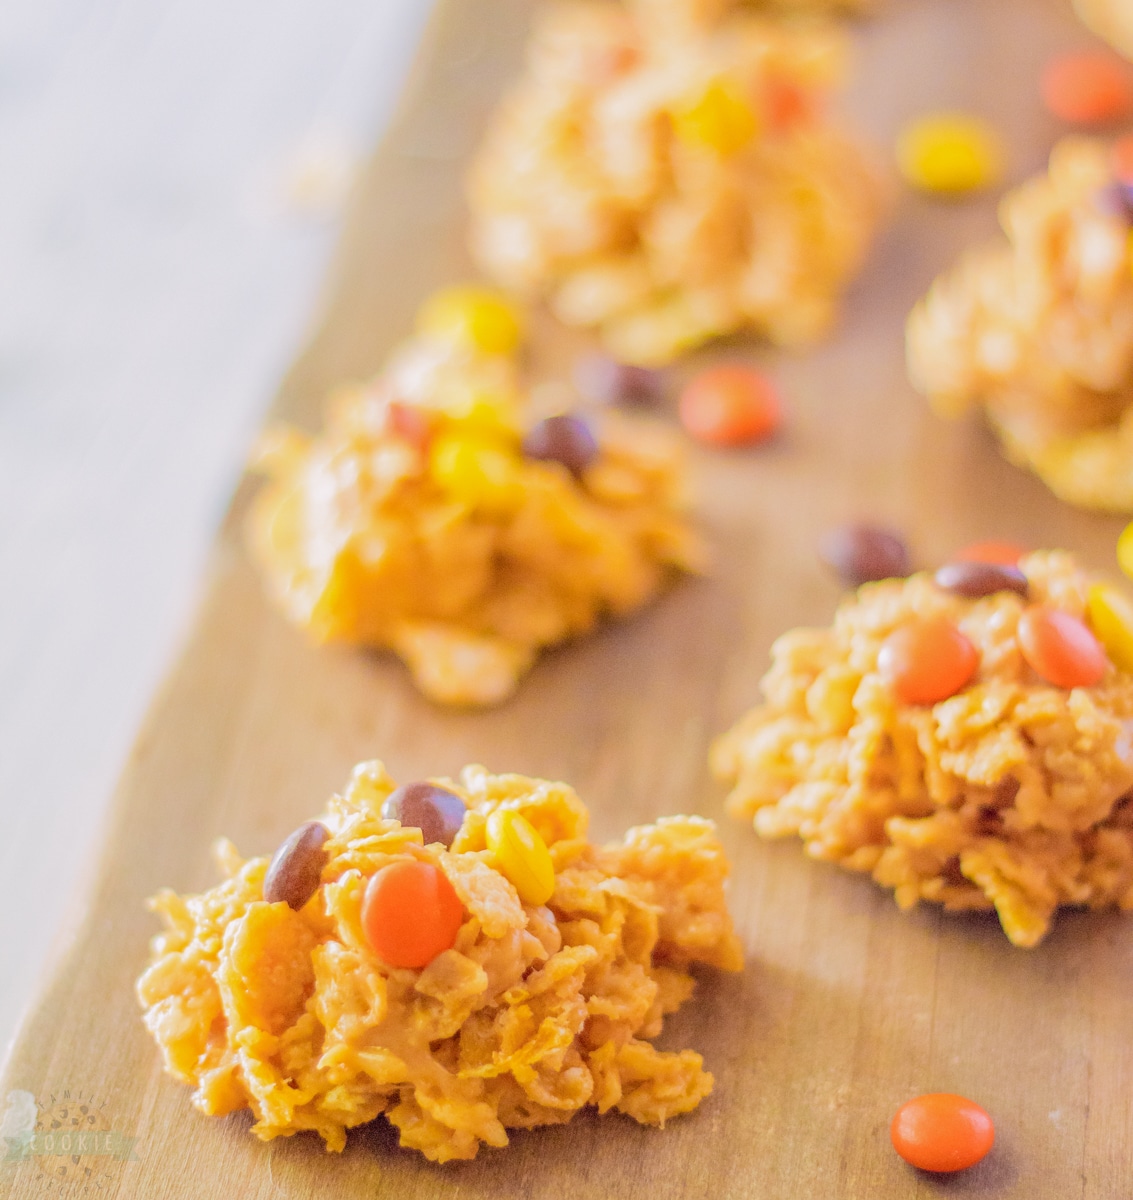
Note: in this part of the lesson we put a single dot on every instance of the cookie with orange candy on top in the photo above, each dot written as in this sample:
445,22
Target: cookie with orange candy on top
435,515
963,737
455,955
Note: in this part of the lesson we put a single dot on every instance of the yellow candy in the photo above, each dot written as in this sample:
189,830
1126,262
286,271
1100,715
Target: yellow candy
949,154
521,856
1125,550
492,414
476,317
1111,615
476,470
720,118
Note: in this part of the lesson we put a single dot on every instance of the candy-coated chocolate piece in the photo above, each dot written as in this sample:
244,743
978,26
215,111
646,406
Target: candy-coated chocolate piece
1090,87
942,1132
437,813
478,317
949,154
411,913
604,380
1111,617
521,856
730,405
976,579
1005,553
720,118
1060,647
564,439
927,660
478,471
296,867
864,553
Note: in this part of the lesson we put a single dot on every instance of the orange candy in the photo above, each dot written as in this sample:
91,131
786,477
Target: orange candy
927,659
786,103
1004,554
1089,88
1060,647
409,423
730,405
411,913
942,1132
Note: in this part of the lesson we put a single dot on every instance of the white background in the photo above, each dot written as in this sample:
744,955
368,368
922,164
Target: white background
157,273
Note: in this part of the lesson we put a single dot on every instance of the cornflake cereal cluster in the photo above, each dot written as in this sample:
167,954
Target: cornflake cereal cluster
1111,19
530,1014
1009,791
434,517
1038,331
713,9
664,174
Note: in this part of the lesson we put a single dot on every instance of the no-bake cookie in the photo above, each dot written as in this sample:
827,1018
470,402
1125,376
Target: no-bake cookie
1037,330
966,739
435,516
542,966
1111,19
665,173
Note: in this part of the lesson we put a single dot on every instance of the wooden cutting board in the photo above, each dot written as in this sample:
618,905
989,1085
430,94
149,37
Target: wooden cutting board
847,1007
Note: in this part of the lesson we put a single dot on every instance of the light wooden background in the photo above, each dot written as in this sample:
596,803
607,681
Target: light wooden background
847,1006
155,277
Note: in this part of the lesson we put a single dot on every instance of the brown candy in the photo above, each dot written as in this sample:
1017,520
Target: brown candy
975,579
297,866
1116,200
437,813
604,380
563,439
864,553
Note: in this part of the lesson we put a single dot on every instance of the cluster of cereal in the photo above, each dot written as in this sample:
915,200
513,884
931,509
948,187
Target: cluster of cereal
1012,792
1112,19
1040,331
532,1013
702,11
664,177
431,517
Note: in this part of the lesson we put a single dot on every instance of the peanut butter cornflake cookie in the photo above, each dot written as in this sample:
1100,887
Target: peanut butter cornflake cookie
455,955
664,173
965,738
435,517
1037,331
1111,19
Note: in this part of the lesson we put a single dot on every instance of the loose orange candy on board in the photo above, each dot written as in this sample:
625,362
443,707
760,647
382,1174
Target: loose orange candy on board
1088,88
730,405
411,913
1060,647
942,1132
1005,554
927,660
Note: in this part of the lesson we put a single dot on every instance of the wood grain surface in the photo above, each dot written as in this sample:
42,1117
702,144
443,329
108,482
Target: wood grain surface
847,1007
